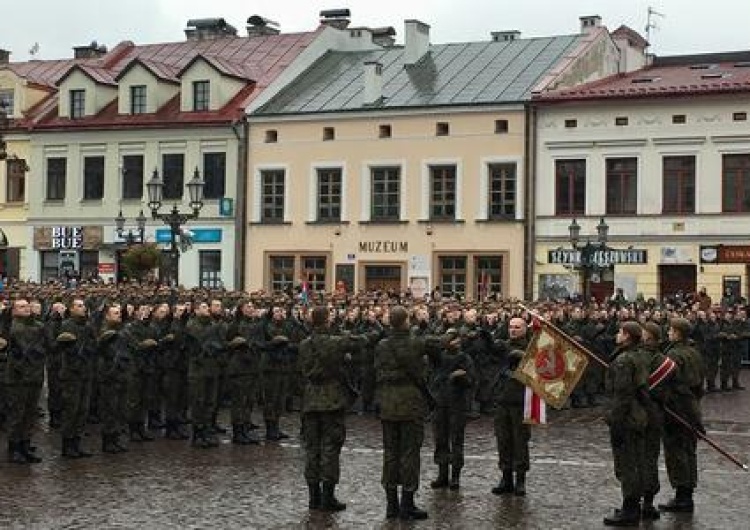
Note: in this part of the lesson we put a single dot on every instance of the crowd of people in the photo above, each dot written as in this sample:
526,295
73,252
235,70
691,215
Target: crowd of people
143,360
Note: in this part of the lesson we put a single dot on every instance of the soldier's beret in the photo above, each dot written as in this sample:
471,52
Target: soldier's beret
66,337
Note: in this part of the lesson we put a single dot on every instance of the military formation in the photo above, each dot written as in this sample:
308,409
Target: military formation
143,361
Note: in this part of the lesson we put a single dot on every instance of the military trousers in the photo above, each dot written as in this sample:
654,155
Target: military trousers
243,390
23,401
680,455
628,447
274,394
75,406
54,392
136,396
711,362
729,356
512,436
323,436
113,406
449,428
367,387
402,441
154,390
203,399
175,393
652,437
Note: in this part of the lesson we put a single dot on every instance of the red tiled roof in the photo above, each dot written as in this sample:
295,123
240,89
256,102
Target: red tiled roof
159,70
661,81
98,74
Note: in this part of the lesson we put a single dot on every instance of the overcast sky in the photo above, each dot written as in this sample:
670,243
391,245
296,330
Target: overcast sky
689,26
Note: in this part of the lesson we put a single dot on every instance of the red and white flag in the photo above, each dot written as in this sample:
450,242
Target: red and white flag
534,408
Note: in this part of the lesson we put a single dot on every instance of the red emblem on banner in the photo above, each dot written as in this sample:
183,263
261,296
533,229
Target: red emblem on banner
550,363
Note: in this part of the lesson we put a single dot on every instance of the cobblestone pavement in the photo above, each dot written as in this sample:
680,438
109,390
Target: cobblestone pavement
166,484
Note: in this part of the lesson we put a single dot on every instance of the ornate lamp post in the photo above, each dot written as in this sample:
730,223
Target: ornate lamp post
587,252
174,219
131,238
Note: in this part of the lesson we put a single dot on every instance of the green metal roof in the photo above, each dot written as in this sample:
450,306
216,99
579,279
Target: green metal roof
472,73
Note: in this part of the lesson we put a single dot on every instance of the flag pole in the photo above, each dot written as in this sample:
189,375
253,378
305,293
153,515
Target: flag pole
669,411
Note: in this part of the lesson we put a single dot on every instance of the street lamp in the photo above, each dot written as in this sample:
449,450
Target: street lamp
587,263
131,238
175,219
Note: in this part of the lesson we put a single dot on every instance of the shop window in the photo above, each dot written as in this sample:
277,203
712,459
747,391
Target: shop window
385,193
209,268
173,175
93,178
570,187
88,261
329,194
502,191
622,186
272,196
214,175
15,190
452,275
56,175
678,181
50,265
442,192
132,176
736,183
281,273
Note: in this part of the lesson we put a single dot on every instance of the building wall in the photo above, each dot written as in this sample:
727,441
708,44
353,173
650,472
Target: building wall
97,96
709,133
158,92
414,243
222,88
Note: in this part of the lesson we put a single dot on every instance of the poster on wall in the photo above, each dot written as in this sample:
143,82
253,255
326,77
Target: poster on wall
419,286
558,286
628,284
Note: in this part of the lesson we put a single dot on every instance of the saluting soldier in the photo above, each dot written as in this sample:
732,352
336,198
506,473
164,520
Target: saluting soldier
113,364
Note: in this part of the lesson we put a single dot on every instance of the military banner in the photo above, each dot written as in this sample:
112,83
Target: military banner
552,365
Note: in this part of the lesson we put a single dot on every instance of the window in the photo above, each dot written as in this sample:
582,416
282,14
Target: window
281,273
488,275
442,128
209,268
7,97
452,275
214,175
201,95
679,119
77,103
173,175
678,184
386,194
329,194
736,183
385,131
15,190
442,192
132,176
88,261
570,182
314,271
138,99
272,196
501,126
93,178
56,172
50,265
622,186
571,124
329,133
621,121
502,191
739,116
272,136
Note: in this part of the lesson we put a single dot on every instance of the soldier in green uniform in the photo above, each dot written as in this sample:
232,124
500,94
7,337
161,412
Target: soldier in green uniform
627,418
160,325
327,396
141,344
175,375
24,378
276,370
404,402
54,363
680,443
113,363
729,347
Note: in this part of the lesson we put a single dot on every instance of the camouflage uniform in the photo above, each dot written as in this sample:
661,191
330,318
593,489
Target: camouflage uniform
243,376
113,364
206,343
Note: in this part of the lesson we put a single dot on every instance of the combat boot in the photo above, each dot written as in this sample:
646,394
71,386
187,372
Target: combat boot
328,500
505,485
69,448
392,508
455,478
313,490
252,438
409,511
144,434
54,420
28,452
629,515
215,427
736,384
199,438
238,434
648,511
682,502
281,435
82,453
441,481
520,489
270,436
108,445
15,455
155,422
117,445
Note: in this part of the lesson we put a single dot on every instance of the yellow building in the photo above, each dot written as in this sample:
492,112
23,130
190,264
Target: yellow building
404,168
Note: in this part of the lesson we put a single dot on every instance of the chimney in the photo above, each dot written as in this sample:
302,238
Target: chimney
373,92
258,26
209,29
416,41
590,23
336,18
4,56
384,36
632,47
506,36
90,51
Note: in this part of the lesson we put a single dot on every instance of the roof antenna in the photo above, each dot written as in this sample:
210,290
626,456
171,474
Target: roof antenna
34,50
651,23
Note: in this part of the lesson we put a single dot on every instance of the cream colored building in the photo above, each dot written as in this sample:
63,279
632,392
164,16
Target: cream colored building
405,168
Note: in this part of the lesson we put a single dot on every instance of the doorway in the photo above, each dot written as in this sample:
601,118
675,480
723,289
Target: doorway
677,281
383,277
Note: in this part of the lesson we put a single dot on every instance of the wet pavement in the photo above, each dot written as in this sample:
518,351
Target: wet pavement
168,484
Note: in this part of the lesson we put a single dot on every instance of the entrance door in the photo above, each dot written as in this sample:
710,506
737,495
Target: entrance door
383,277
677,280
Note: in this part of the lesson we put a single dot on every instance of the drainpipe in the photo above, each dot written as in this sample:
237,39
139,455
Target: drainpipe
530,201
241,129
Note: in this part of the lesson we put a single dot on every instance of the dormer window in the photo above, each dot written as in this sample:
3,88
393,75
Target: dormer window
6,101
77,103
138,99
201,95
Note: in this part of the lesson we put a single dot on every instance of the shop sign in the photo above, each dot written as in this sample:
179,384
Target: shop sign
725,253
106,268
199,235
68,237
601,258
383,247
